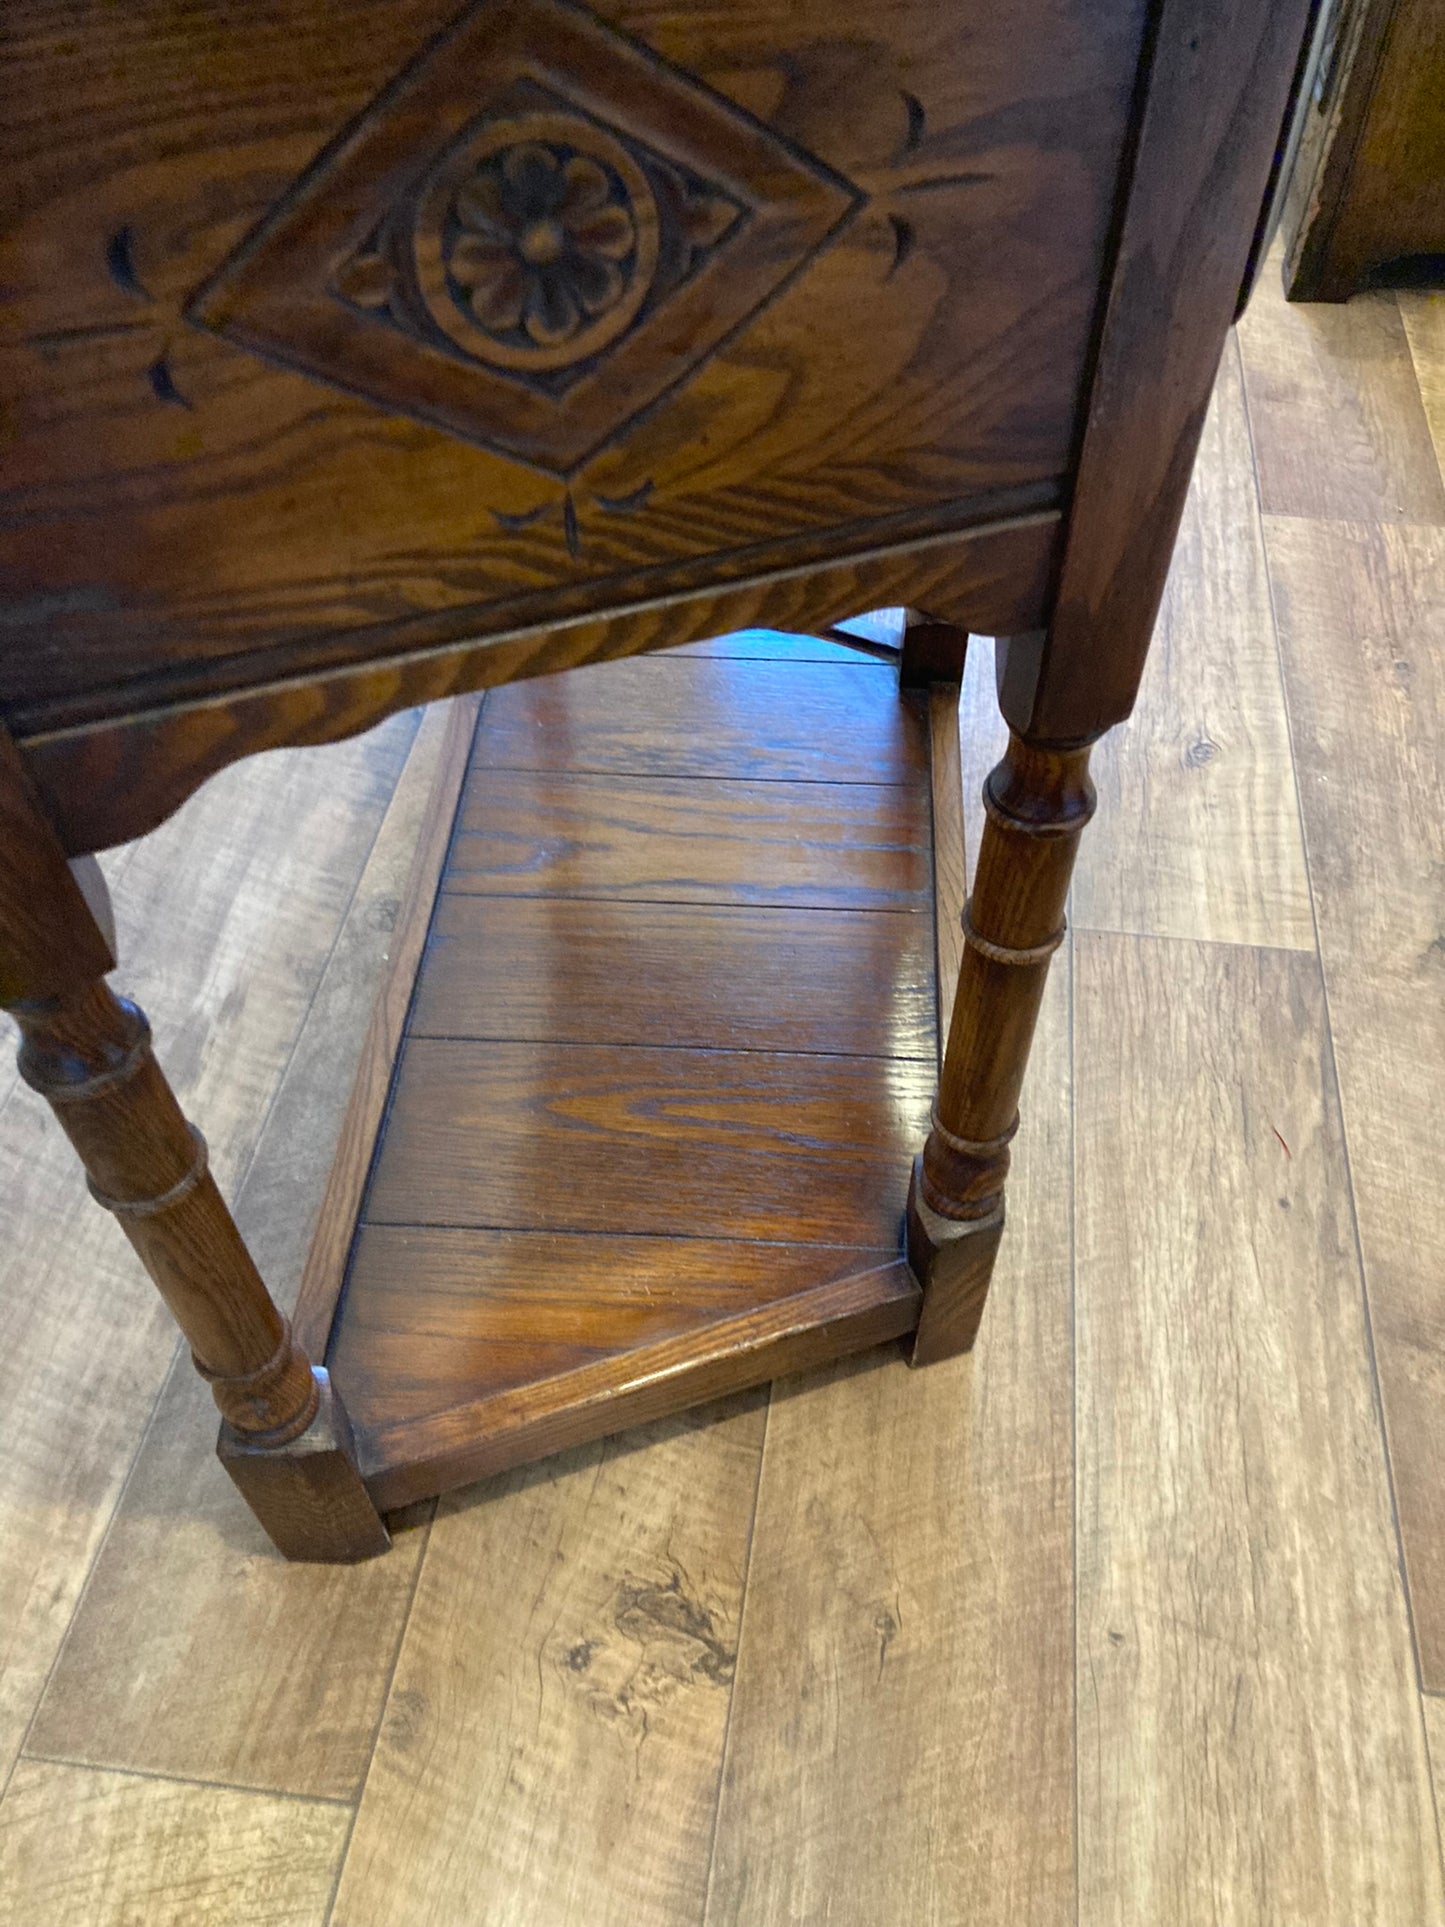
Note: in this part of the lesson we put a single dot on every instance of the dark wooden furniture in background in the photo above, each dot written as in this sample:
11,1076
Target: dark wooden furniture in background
1365,204
357,357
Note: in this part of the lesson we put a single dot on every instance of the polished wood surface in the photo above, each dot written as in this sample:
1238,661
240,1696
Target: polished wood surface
670,716
1193,201
317,851
517,968
605,1183
1365,207
346,1184
160,1638
112,780
1036,804
825,846
588,1139
541,347
189,322
88,1341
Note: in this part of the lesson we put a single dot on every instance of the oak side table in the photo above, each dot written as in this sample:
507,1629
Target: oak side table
360,355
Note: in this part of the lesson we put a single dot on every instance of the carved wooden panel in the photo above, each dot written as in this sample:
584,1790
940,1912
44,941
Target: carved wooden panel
534,232
330,326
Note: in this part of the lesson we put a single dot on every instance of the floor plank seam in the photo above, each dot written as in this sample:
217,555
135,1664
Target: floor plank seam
191,1779
1174,936
668,1237
688,903
737,1662
1346,1154
1367,1310
380,1720
179,1350
691,1050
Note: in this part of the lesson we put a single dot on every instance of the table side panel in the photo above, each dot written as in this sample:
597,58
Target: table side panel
258,426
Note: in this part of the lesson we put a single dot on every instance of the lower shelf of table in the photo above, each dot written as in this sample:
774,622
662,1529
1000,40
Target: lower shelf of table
408,1455
634,1125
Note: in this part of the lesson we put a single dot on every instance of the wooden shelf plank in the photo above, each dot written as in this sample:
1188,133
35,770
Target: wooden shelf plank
545,970
637,1111
838,846
661,716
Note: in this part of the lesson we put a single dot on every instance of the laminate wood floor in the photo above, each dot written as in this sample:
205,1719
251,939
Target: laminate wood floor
1136,1616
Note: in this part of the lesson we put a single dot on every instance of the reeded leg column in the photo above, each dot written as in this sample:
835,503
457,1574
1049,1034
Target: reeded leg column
284,1439
1037,802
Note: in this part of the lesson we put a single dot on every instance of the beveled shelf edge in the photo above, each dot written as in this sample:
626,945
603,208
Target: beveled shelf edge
331,1241
419,1458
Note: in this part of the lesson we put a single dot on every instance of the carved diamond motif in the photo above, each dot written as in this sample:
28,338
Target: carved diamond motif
528,237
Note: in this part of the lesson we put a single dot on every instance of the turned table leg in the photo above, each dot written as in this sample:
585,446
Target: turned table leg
284,1439
1037,802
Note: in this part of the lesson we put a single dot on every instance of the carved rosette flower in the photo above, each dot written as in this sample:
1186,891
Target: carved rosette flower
540,244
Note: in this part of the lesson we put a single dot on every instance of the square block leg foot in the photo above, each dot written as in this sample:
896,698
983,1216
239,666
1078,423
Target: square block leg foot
953,1262
308,1494
932,652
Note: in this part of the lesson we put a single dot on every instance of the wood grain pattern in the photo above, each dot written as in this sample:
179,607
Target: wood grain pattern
591,1138
109,781
1434,1711
661,716
562,1692
1197,832
478,1328
284,1436
901,1745
823,846
871,1302
1424,319
53,941
1249,1740
1339,429
950,852
240,1667
1362,623
228,953
1219,77
532,970
1036,802
439,1317
346,1182
146,438
1367,204
113,1850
